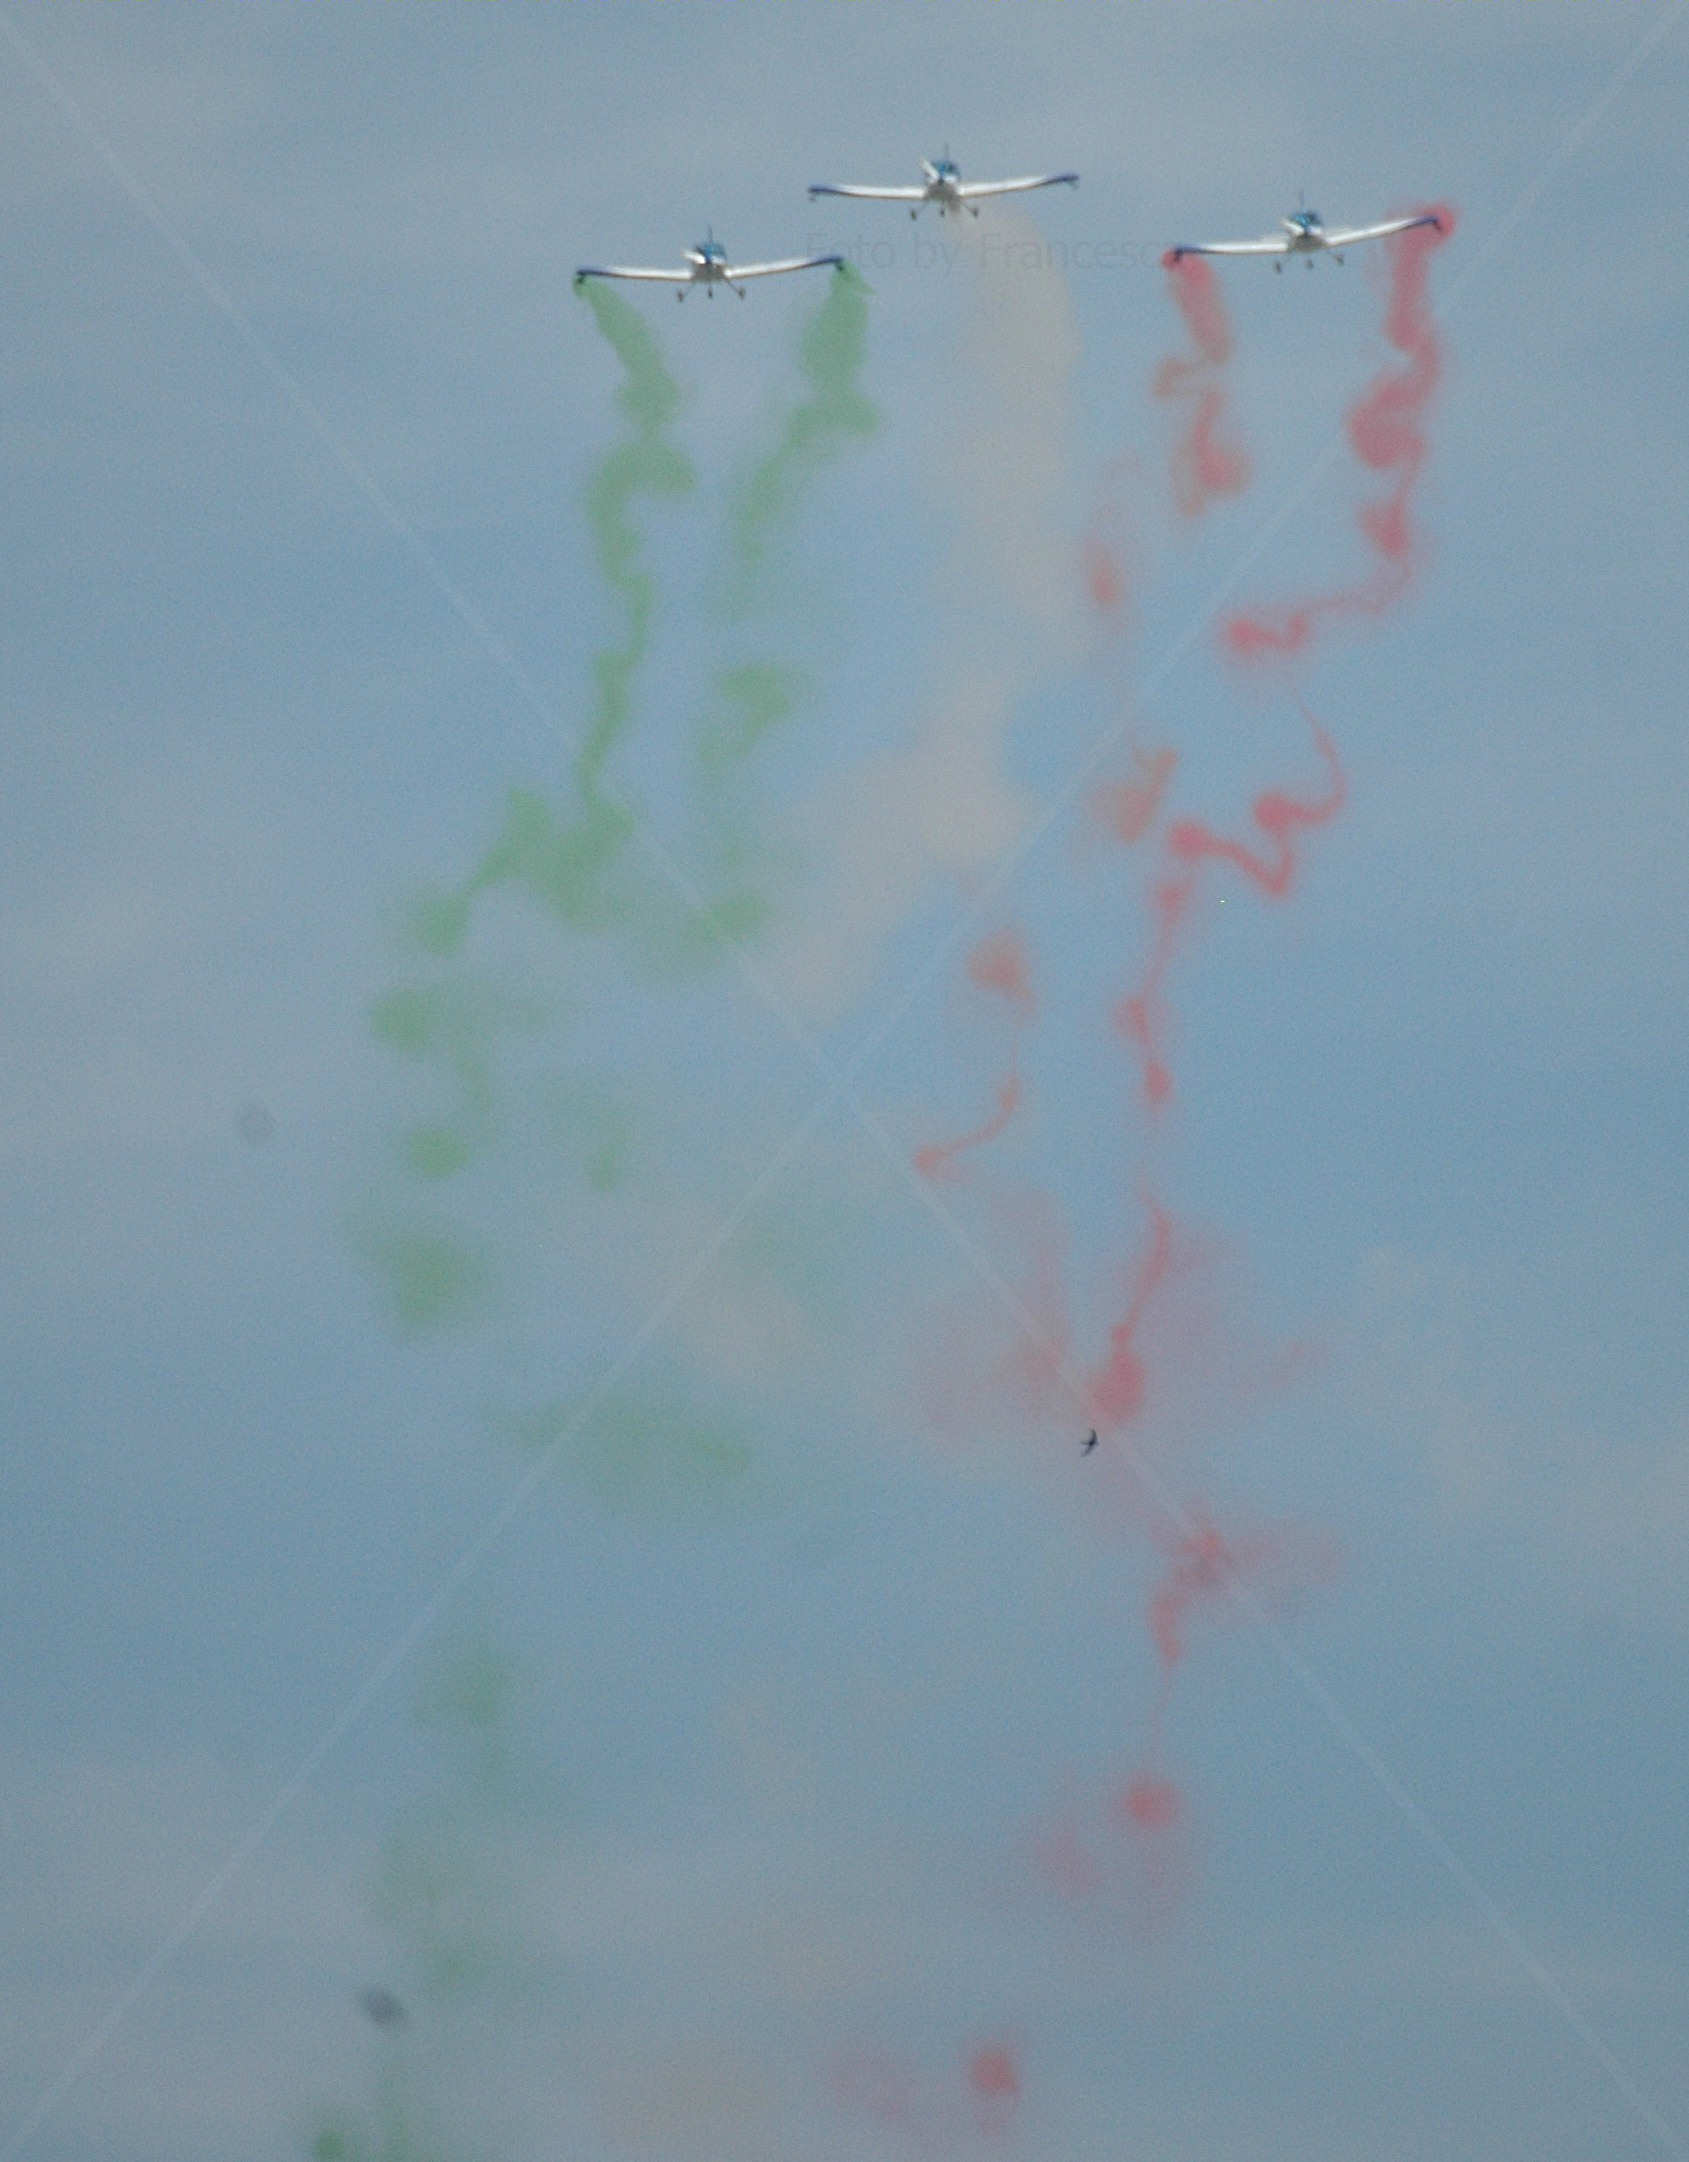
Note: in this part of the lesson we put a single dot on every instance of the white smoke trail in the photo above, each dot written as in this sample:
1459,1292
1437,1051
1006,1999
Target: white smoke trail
1007,608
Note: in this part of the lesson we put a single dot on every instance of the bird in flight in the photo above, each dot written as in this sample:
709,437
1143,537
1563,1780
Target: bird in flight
1089,1444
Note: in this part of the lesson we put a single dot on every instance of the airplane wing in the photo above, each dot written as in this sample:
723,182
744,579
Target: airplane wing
1275,244
971,190
873,195
1379,232
662,277
771,270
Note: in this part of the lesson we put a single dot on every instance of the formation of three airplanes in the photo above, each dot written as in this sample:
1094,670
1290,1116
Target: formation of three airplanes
1304,233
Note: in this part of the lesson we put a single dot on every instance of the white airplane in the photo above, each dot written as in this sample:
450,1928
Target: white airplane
1305,235
707,265
945,186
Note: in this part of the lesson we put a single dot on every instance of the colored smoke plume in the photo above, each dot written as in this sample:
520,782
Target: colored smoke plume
994,2080
1109,554
998,965
564,862
646,463
1386,428
1278,816
1129,808
943,800
1205,465
1141,1016
830,357
1116,1394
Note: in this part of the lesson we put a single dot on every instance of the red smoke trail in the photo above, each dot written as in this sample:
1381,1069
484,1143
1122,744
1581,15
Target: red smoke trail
1386,430
1278,817
1116,1395
1151,1803
934,1158
1156,1817
994,2078
1125,809
889,2089
1129,808
972,1377
1239,1577
1204,466
1173,1367
997,965
979,1371
1127,1853
1204,1565
1165,1371
1140,1016
1105,576
1109,553
1035,1365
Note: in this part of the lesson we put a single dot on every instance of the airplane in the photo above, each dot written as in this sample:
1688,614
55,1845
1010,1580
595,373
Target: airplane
945,186
1305,235
707,265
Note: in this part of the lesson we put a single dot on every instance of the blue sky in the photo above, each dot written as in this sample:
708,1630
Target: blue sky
715,1683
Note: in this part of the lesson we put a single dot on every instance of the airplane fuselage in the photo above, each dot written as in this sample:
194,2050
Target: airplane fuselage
707,264
709,267
943,188
1304,235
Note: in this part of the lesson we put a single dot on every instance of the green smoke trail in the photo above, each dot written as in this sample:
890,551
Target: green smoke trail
448,1887
444,1890
453,1025
433,1276
757,697
646,465
641,1458
448,1900
561,863
567,865
754,698
830,357
392,2139
595,1123
564,861
677,938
